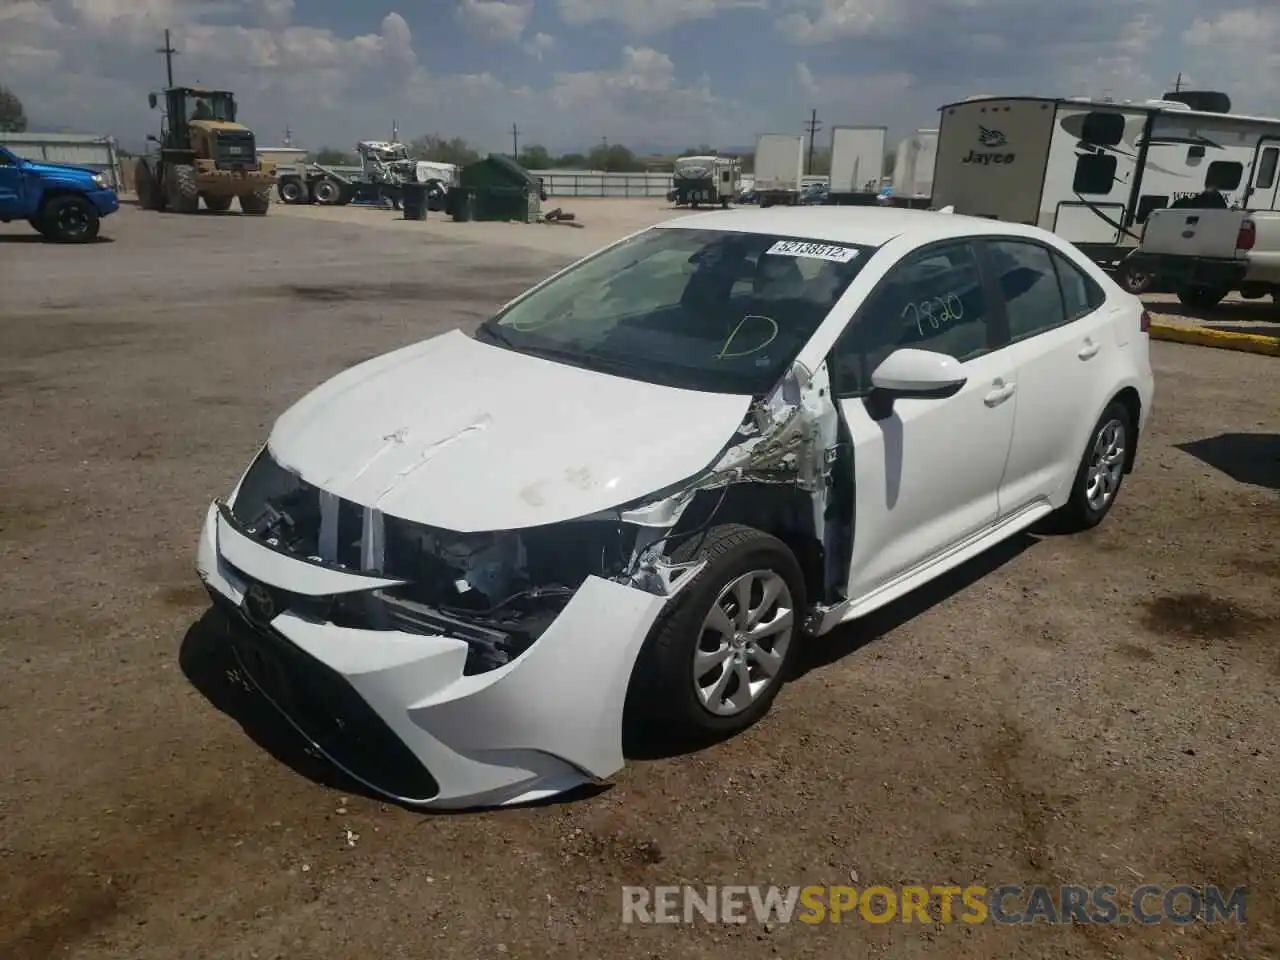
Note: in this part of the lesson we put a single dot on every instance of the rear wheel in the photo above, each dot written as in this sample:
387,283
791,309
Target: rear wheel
1101,472
1202,296
326,192
70,219
256,204
183,191
218,204
721,651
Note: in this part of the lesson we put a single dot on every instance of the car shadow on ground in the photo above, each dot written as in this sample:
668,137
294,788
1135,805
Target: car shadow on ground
1252,458
37,238
641,744
206,660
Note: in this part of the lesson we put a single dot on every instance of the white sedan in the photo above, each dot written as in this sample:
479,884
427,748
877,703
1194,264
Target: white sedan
454,568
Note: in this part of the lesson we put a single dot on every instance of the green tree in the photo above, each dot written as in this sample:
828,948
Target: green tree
821,163
614,158
535,157
442,150
331,157
12,117
702,150
570,161
890,161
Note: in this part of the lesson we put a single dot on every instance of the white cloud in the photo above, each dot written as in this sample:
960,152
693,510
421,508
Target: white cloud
1237,51
539,45
647,16
494,19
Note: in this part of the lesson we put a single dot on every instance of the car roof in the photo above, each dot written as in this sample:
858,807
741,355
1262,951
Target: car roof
867,226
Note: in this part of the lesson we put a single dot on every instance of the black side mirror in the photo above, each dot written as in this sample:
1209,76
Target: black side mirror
151,138
151,99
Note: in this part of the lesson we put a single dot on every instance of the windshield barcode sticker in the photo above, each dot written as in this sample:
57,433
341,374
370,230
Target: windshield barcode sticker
818,251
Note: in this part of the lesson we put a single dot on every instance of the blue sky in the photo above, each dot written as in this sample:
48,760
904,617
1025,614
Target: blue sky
655,74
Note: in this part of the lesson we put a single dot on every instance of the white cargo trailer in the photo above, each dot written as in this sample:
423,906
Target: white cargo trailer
913,165
779,168
857,159
1092,170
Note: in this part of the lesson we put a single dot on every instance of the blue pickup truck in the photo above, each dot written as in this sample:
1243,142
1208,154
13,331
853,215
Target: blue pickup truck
63,203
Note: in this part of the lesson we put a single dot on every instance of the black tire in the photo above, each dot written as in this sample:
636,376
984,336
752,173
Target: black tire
1201,296
326,192
70,219
218,204
1080,513
292,191
145,186
256,204
663,692
1133,280
183,191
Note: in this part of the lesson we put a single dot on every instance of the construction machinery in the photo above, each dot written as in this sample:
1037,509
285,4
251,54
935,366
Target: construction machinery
203,154
385,167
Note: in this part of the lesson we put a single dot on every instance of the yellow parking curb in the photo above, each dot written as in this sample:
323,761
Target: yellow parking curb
1222,339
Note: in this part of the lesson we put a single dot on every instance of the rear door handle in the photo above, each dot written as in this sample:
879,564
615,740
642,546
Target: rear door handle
1001,393
1089,350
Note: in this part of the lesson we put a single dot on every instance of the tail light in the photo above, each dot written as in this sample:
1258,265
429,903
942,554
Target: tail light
1247,235
1145,323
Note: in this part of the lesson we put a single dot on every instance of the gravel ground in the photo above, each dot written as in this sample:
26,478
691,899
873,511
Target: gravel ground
1096,709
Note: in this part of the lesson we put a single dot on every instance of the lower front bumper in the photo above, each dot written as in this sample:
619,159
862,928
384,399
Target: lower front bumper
105,201
377,702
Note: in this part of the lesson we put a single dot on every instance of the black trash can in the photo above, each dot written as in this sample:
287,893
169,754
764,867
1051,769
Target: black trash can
464,205
414,201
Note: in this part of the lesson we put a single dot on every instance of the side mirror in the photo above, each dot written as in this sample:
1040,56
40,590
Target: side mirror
152,138
912,374
151,99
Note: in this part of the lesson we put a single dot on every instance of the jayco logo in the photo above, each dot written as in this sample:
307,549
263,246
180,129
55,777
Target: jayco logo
992,140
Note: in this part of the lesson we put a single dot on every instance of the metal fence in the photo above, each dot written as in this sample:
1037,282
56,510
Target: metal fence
96,153
600,183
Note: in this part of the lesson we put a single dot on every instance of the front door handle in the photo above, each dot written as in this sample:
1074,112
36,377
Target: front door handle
1000,393
1089,350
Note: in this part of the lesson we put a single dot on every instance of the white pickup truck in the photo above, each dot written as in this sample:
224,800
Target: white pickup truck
1204,254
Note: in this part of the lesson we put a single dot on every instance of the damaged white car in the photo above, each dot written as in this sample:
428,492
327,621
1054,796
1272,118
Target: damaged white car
454,567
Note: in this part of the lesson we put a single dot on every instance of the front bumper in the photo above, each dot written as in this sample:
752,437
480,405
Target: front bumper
394,711
105,201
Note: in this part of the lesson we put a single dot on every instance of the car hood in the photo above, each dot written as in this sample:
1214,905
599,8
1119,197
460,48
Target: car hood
467,436
59,170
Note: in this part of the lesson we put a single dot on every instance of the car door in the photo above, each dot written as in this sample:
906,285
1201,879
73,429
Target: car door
10,186
926,476
1061,351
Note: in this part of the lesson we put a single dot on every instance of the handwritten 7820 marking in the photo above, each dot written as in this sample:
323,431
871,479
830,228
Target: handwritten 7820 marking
949,310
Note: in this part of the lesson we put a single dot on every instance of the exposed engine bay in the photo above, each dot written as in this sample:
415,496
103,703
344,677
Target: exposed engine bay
500,590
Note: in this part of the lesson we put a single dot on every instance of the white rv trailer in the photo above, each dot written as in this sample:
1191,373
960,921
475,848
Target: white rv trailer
857,159
1092,170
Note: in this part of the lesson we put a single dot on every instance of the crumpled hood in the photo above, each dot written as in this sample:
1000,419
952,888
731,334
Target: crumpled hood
467,436
63,170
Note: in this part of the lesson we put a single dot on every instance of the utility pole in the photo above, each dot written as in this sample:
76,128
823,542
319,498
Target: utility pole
813,126
288,137
515,142
168,52
395,132
604,141
1177,84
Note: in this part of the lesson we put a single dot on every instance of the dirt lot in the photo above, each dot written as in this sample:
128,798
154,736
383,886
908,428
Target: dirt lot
1099,709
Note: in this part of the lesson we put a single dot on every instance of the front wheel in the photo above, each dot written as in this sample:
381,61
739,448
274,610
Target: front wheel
1134,279
1101,471
719,654
69,219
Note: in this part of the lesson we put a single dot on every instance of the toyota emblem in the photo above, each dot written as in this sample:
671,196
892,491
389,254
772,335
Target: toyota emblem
259,605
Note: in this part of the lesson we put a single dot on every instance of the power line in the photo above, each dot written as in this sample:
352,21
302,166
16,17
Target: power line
515,141
168,52
813,127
